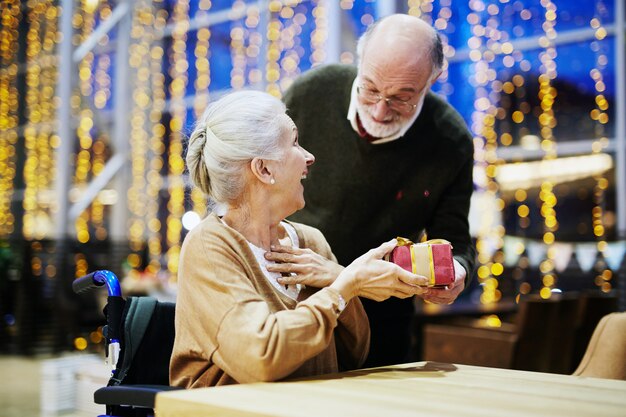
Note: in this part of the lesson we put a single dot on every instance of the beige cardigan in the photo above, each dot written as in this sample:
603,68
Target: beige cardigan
232,326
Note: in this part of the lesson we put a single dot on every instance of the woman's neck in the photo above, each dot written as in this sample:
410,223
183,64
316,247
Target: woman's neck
259,227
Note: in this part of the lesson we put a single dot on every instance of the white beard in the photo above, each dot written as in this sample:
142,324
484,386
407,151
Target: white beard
395,124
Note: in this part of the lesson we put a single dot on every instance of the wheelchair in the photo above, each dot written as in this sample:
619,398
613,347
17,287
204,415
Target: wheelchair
139,336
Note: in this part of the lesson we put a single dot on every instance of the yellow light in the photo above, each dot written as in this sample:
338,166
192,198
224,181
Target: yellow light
546,266
548,238
506,139
497,269
80,343
523,210
492,320
95,337
545,293
601,33
508,87
548,280
483,271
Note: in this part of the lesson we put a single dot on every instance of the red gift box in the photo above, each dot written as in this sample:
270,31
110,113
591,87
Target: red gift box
431,259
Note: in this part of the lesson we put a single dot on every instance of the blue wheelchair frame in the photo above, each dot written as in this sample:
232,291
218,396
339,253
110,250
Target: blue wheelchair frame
127,320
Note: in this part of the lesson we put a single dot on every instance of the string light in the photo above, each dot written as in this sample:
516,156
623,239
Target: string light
11,16
483,42
101,100
442,25
600,115
84,22
514,121
156,143
101,97
176,166
547,122
421,8
320,35
346,57
201,86
272,69
290,41
255,39
38,139
139,62
237,49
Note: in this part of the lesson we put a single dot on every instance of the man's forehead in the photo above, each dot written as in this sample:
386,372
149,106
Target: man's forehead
397,75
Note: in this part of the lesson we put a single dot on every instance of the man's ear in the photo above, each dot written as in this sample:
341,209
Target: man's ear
262,170
435,78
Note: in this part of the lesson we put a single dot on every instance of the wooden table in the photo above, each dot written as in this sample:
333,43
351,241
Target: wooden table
416,389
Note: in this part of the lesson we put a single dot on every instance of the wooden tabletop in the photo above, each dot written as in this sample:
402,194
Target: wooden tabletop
415,389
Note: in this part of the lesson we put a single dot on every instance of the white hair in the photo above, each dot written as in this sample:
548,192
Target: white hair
230,133
435,47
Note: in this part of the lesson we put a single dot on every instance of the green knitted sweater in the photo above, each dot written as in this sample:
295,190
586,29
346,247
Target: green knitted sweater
360,195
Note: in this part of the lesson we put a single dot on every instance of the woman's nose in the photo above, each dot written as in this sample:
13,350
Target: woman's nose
309,157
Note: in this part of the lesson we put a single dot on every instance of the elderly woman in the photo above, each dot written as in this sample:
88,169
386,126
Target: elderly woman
236,321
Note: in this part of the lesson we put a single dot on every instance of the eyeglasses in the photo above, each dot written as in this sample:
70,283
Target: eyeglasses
373,97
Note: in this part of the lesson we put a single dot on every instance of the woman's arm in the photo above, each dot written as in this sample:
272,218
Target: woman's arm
222,318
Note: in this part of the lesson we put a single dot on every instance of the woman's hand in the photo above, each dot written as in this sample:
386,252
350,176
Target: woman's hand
310,268
371,277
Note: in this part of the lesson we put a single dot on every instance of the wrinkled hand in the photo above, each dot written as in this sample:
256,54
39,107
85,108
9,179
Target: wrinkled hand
371,277
310,268
448,294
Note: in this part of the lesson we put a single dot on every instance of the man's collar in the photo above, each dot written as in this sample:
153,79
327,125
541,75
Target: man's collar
355,121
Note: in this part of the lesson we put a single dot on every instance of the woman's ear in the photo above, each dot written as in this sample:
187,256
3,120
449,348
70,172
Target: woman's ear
262,170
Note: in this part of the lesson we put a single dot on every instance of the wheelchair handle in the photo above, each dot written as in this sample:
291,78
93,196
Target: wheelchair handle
96,280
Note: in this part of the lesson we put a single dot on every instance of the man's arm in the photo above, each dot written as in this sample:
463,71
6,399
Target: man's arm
450,222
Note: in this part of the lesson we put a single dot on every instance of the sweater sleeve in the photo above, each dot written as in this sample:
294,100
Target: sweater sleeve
450,220
225,319
352,335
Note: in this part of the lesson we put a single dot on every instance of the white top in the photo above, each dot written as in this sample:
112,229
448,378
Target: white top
291,291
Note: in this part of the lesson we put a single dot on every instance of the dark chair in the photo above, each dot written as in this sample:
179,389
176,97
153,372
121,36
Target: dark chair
540,339
593,306
143,328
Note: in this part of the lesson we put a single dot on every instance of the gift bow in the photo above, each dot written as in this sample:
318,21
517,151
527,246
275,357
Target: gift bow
402,241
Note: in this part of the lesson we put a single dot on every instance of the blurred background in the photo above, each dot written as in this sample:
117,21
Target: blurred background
97,97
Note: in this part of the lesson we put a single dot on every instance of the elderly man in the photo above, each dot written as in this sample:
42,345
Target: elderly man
393,159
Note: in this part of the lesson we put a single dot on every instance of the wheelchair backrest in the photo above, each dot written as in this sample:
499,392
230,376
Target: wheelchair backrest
146,342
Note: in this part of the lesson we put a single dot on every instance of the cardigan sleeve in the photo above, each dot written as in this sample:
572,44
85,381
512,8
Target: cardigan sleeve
224,318
352,335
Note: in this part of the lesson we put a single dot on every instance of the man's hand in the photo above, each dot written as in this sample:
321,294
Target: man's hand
306,266
448,294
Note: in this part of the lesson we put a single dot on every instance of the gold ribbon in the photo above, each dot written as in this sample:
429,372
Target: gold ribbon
431,264
402,241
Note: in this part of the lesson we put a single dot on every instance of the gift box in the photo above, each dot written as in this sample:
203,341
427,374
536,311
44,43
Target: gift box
431,259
